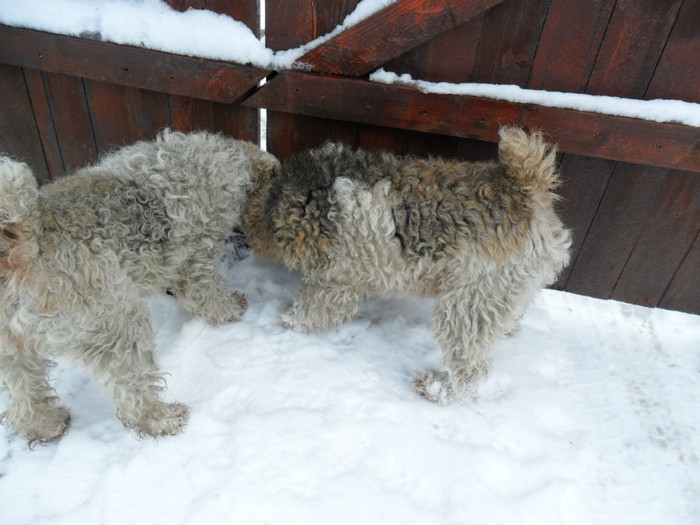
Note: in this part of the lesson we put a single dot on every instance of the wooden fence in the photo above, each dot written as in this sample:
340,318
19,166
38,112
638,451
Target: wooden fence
632,187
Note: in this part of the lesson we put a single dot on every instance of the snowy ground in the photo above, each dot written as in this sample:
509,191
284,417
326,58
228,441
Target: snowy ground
591,416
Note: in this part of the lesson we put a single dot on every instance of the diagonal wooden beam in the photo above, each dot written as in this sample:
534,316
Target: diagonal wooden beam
389,33
580,132
127,65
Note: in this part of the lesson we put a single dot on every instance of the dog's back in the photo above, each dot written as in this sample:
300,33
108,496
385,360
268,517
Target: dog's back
437,207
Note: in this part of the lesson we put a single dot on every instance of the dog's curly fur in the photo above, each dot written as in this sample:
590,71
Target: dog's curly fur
481,238
80,257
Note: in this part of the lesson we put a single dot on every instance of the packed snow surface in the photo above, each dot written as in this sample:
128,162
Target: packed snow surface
591,415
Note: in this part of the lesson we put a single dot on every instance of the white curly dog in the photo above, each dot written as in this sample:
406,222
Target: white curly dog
79,258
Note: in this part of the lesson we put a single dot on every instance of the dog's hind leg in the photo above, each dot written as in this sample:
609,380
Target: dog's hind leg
202,291
319,305
122,358
34,410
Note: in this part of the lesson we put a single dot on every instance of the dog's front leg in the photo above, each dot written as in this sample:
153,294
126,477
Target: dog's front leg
123,358
33,410
320,305
202,291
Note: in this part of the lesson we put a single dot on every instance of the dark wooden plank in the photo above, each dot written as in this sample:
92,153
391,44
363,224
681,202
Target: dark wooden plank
677,76
295,133
71,118
580,132
231,119
389,33
39,96
291,24
449,57
569,44
584,180
128,66
189,114
508,42
684,291
236,121
664,242
245,11
629,200
19,137
123,115
184,5
633,43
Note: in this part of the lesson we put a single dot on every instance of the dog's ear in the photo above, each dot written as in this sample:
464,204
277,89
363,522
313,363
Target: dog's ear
18,209
265,165
10,235
18,192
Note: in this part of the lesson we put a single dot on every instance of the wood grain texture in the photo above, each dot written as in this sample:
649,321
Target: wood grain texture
19,136
584,180
684,291
633,42
39,96
448,57
569,44
663,243
72,122
389,33
580,132
127,66
291,24
243,11
677,75
629,200
121,115
509,41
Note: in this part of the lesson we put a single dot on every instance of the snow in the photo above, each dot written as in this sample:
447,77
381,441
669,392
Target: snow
590,416
145,23
155,25
658,110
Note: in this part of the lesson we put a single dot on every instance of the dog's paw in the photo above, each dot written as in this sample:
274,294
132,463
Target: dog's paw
163,419
290,318
53,424
239,306
286,314
434,385
232,309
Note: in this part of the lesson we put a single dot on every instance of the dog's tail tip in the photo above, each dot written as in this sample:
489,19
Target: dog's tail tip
18,190
528,157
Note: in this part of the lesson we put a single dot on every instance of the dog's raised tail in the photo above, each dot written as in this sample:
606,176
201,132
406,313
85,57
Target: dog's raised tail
528,158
